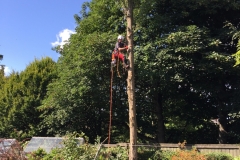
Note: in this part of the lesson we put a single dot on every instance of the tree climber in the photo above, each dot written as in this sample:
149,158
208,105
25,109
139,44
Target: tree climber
117,53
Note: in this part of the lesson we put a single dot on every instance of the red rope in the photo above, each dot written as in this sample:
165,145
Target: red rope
110,114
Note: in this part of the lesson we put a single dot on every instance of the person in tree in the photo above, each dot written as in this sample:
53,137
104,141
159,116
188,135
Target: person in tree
117,53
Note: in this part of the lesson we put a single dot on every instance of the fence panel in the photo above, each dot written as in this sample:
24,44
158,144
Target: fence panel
231,149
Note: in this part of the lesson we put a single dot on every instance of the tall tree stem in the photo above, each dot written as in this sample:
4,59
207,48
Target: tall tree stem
131,85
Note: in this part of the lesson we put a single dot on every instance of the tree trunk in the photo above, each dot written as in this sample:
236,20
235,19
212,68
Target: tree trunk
222,135
131,85
160,122
222,118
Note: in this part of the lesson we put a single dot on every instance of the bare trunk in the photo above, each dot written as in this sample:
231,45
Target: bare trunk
222,134
222,120
160,122
131,85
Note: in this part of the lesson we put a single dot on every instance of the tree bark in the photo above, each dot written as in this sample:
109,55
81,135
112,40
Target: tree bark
222,118
222,135
131,85
160,121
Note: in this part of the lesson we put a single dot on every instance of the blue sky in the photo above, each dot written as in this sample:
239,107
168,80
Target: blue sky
30,28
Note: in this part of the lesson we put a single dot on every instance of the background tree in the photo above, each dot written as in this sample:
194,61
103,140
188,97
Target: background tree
21,95
183,71
84,76
183,48
185,78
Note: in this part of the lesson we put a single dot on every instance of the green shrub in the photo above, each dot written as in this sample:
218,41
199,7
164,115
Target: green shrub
218,156
145,153
162,155
188,155
37,155
237,158
55,154
71,151
116,153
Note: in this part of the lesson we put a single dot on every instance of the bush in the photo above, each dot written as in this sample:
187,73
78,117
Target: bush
71,151
163,155
188,155
218,156
119,153
37,155
144,153
237,158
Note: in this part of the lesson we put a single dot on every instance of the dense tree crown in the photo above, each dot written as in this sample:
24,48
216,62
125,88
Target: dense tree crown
187,87
21,94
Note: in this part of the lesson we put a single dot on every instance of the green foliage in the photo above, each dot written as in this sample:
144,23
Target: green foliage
178,58
218,156
237,54
74,99
55,154
154,153
181,49
183,70
21,94
163,155
1,76
37,155
72,151
187,155
113,153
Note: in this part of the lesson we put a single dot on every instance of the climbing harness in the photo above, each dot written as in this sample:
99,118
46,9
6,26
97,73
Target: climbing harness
126,62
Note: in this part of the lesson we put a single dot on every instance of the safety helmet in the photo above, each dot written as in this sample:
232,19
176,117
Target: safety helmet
120,37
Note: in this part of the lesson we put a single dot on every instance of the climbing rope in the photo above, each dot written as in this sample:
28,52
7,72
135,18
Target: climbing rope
110,113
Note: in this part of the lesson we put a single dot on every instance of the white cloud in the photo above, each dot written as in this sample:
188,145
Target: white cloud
62,37
7,71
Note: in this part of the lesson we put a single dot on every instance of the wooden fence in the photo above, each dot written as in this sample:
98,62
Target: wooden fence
231,149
